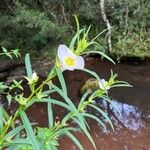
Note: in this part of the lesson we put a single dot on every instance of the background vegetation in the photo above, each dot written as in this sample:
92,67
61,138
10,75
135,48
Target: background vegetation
39,25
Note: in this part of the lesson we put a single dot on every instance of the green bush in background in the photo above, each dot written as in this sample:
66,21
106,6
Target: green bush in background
38,24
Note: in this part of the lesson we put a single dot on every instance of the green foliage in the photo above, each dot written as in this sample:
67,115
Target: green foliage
37,25
46,138
133,45
28,28
13,53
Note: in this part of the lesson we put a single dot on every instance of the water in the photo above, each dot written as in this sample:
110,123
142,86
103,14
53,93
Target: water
132,128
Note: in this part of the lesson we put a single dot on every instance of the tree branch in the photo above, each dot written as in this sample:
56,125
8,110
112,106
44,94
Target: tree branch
105,19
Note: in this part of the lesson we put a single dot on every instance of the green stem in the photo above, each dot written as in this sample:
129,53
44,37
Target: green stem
7,126
50,77
63,123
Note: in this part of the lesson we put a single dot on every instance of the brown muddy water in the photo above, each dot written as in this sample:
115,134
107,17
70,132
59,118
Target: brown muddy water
132,128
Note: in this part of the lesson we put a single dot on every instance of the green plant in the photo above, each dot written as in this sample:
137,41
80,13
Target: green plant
41,25
132,45
47,138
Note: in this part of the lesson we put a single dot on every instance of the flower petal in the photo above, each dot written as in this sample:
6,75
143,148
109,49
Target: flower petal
66,67
103,85
80,63
62,52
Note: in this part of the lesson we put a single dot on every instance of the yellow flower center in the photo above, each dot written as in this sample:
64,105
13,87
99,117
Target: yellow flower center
70,61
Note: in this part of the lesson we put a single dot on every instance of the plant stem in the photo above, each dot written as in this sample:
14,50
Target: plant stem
7,126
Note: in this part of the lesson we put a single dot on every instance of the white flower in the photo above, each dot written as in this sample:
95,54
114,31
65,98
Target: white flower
68,60
104,85
33,79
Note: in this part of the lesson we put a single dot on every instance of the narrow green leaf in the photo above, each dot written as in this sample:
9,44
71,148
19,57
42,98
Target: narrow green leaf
61,80
95,118
72,129
72,44
80,119
29,130
74,139
70,103
121,85
6,115
18,142
47,92
9,55
28,65
50,114
9,98
102,54
77,22
1,119
16,131
87,32
13,132
85,132
4,49
99,34
53,101
92,73
83,98
103,114
110,102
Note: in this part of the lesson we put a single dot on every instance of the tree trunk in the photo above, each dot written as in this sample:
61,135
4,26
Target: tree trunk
108,35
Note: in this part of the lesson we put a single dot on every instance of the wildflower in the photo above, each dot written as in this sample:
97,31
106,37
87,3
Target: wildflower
32,79
68,60
104,85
